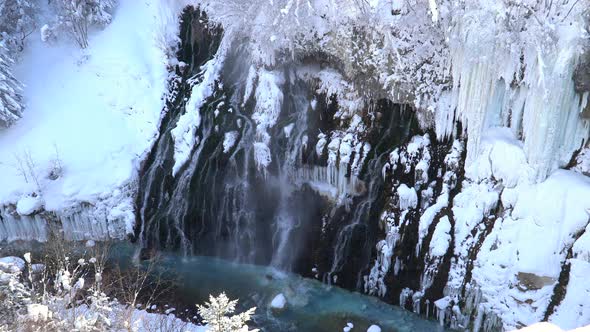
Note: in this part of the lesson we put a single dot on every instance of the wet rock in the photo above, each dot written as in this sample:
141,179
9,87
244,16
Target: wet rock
586,112
530,281
582,74
147,254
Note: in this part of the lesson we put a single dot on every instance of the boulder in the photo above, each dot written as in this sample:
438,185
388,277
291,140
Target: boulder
530,281
374,328
278,303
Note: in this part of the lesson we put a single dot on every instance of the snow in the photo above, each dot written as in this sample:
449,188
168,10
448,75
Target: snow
279,302
184,133
12,264
539,220
545,327
288,129
96,111
229,140
38,312
322,141
408,199
348,327
433,10
374,328
506,162
575,307
269,100
91,116
144,321
262,155
442,304
428,216
29,205
45,33
441,237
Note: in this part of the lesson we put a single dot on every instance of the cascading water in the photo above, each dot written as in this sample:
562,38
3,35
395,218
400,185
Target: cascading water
268,166
306,210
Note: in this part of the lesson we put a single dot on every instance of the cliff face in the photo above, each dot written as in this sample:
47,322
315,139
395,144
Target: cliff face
582,75
281,166
582,81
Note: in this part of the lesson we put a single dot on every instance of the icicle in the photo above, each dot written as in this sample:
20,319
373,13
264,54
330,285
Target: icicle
543,109
403,297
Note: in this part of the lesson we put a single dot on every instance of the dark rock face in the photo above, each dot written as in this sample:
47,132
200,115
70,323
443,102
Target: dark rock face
582,74
582,79
221,204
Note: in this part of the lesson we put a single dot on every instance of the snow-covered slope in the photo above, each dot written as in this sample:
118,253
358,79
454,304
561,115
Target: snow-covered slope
538,229
90,115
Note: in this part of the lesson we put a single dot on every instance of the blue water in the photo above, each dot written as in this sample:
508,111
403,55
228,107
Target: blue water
311,305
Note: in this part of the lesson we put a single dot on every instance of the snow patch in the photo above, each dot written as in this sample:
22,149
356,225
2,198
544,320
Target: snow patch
441,238
185,133
408,199
229,140
29,205
374,328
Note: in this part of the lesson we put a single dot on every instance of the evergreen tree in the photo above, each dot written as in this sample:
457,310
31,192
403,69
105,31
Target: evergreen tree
17,21
11,107
216,314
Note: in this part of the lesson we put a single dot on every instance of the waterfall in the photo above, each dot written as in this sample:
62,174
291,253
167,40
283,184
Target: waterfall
278,166
243,168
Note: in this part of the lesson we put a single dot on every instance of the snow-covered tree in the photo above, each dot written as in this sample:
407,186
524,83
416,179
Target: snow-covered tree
17,21
77,16
216,313
11,106
14,297
62,294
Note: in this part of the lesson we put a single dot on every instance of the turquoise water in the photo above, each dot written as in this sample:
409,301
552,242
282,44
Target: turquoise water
311,305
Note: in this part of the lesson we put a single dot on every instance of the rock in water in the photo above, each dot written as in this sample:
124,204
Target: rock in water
279,303
374,328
